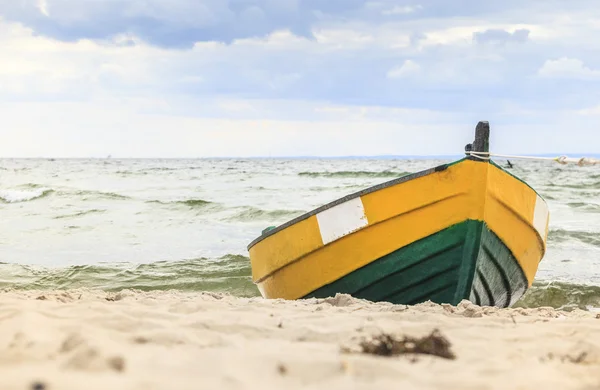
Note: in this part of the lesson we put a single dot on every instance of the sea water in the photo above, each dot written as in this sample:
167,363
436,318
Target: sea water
185,224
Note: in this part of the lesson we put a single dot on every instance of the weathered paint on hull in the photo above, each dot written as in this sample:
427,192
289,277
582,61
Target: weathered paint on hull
498,278
464,261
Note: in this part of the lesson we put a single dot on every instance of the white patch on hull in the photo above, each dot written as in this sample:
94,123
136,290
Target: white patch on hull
341,220
540,217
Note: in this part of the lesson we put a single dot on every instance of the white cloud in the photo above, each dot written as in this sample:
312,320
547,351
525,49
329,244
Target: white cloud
278,39
401,10
463,34
568,68
40,65
343,38
43,7
589,111
407,69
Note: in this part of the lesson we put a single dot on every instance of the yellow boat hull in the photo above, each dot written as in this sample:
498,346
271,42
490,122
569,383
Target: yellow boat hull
317,250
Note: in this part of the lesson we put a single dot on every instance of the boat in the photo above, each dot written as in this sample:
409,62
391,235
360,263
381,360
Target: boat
465,230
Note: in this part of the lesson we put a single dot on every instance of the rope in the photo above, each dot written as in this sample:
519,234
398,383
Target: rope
485,156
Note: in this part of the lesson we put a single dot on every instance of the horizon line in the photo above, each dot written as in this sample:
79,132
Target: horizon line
376,156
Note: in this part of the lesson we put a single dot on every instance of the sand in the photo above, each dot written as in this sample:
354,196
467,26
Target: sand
83,339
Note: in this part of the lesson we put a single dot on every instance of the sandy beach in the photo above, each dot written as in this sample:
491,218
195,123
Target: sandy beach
171,340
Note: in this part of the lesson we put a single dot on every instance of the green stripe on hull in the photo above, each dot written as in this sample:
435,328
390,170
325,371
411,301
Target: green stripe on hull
445,267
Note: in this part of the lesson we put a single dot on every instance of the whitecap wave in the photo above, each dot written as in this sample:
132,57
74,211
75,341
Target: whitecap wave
17,196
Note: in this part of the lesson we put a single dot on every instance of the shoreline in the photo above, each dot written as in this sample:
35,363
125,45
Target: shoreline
73,339
558,294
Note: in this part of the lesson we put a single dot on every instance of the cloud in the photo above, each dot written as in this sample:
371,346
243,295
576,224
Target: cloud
279,66
591,111
43,7
177,23
181,23
501,36
301,64
401,10
568,68
407,69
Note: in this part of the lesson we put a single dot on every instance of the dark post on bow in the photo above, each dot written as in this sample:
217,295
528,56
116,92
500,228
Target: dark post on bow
482,140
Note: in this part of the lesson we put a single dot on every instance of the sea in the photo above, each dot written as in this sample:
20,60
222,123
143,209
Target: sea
160,224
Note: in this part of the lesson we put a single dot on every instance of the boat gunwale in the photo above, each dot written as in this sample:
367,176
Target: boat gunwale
495,164
354,195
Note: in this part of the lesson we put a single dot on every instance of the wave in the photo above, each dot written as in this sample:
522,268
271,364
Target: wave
354,174
30,191
80,214
561,296
191,203
591,207
253,214
350,187
19,196
147,171
131,173
160,169
87,195
578,186
560,235
228,274
31,185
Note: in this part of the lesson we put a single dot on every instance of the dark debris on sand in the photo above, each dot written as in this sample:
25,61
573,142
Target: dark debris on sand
38,386
577,359
387,345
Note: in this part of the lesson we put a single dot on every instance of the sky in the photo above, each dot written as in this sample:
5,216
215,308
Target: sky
206,78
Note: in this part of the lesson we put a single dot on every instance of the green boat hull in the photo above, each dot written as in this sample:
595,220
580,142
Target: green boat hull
464,261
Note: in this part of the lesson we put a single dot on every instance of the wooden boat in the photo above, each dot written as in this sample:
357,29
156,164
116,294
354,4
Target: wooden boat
464,230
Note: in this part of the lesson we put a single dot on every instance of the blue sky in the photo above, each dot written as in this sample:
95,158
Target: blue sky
197,78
